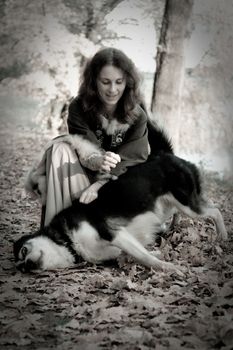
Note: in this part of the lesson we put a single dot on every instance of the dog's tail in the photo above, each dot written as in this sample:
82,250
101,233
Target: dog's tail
158,140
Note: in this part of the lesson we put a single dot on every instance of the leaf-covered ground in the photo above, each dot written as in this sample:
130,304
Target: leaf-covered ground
121,306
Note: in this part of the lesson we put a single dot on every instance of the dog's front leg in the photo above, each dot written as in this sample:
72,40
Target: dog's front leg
124,240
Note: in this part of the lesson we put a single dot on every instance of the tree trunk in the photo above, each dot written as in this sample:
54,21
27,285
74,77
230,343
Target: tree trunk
170,68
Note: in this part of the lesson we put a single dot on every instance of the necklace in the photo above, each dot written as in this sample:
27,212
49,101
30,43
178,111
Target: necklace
108,116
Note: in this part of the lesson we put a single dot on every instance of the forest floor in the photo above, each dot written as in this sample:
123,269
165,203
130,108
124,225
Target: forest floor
121,306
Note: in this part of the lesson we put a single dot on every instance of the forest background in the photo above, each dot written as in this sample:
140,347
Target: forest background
183,50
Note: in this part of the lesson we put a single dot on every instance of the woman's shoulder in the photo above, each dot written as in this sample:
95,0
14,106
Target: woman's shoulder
140,113
76,104
77,111
78,115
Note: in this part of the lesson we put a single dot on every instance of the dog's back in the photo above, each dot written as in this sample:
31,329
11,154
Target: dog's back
137,189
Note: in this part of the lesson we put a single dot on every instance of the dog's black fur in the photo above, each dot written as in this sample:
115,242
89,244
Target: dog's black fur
133,194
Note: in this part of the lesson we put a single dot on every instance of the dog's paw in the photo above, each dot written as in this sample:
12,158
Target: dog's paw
224,235
157,253
169,267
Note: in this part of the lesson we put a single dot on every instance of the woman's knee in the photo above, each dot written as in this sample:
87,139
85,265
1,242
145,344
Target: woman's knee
64,157
63,150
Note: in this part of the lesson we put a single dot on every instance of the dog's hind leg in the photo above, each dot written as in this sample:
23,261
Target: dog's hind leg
216,215
206,210
125,241
175,221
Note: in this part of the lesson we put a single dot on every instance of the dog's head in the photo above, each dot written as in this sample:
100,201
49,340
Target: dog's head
28,255
39,252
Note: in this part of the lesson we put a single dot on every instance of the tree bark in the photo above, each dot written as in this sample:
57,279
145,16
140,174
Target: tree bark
168,78
94,18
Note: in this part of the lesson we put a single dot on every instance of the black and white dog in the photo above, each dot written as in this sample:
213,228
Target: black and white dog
125,217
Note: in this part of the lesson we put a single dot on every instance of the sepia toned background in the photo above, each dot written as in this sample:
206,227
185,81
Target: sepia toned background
183,50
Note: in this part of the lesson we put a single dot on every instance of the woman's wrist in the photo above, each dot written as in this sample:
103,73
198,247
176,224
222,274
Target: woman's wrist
93,162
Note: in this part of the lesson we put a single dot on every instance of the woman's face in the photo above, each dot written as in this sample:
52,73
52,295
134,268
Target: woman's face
111,84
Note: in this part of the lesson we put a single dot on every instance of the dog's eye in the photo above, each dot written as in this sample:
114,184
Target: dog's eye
24,252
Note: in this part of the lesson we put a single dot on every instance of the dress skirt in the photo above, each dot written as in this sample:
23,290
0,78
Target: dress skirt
66,179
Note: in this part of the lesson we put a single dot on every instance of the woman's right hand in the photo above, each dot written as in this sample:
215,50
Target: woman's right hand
110,160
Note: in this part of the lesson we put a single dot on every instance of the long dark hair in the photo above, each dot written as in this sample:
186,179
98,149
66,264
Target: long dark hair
88,91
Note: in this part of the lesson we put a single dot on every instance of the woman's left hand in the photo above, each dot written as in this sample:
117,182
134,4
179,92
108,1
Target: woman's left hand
91,193
88,196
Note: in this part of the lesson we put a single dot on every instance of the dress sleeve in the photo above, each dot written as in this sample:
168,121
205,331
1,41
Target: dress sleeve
78,121
135,147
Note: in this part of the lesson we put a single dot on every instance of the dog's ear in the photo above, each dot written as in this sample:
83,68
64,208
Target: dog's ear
18,245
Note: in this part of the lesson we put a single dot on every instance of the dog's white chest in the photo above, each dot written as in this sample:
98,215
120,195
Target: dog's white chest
90,246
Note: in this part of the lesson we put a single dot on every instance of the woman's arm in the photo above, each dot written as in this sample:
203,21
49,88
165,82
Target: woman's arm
92,157
91,193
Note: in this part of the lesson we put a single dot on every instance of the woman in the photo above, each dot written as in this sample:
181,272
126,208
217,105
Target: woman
112,129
